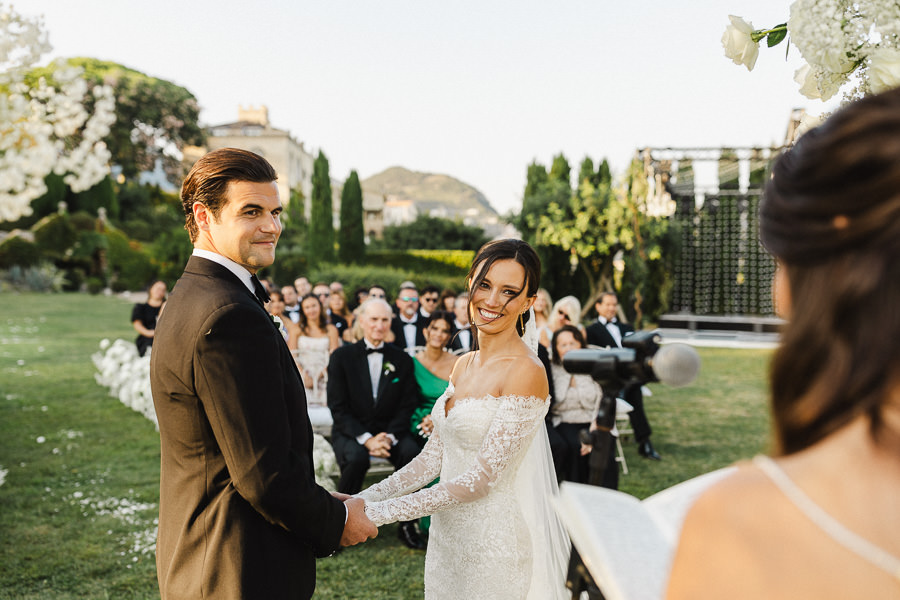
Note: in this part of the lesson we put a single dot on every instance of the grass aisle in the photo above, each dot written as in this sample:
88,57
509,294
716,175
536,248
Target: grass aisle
78,508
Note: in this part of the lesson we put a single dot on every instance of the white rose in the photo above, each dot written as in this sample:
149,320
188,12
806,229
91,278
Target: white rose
884,70
738,43
807,80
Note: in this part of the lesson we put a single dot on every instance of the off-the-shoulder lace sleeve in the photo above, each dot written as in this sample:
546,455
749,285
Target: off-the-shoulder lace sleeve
418,472
507,439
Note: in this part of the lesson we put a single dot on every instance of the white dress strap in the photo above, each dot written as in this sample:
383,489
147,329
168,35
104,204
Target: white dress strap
836,530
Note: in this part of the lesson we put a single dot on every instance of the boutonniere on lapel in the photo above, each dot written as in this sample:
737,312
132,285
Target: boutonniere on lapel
279,324
389,368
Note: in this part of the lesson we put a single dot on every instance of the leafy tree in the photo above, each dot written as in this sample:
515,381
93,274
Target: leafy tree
543,189
154,118
560,169
596,224
352,247
433,233
321,226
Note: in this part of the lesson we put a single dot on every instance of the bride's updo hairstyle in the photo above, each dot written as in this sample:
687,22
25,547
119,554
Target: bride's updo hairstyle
831,216
516,250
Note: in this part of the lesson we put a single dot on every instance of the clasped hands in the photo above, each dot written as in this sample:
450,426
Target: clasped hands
358,527
379,445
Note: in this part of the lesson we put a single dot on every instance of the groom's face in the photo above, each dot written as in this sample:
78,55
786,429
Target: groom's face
247,228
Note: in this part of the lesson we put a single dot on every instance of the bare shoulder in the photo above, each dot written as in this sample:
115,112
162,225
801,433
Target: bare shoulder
725,533
526,377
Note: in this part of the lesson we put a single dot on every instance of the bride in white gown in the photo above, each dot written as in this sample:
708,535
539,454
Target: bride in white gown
493,533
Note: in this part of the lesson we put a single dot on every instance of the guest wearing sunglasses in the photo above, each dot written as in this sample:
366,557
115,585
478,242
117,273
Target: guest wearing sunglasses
407,324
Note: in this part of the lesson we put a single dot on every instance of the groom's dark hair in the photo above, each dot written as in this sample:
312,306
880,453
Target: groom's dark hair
208,181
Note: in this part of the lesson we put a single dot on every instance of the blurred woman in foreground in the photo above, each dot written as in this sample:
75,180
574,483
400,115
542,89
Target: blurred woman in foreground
821,519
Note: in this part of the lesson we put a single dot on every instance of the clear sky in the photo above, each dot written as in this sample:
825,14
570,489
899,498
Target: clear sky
472,89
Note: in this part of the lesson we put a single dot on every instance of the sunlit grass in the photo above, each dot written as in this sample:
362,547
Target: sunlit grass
78,508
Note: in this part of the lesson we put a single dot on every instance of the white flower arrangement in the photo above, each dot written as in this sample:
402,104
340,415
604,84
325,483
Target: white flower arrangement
127,376
389,367
850,44
45,128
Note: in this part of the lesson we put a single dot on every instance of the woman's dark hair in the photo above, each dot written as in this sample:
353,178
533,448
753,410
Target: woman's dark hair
831,216
447,293
516,250
208,181
441,315
303,322
576,333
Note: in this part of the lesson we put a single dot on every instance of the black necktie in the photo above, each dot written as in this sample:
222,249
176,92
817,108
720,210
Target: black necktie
261,292
378,350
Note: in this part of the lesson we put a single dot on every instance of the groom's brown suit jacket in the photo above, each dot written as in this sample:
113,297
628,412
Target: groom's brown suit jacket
240,514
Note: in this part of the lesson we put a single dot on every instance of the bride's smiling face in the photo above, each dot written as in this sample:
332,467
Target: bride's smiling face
499,298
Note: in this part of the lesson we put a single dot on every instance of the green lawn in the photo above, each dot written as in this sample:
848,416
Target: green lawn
78,508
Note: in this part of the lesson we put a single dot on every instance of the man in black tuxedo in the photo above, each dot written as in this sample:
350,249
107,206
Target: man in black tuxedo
372,393
240,513
607,331
408,325
462,338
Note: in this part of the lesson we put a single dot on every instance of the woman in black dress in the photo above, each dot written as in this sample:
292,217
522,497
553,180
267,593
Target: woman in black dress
143,316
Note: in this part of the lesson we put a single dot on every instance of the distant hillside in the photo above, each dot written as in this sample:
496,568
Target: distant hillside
440,195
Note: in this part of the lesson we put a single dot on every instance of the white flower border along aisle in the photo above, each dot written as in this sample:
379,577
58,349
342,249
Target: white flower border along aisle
847,44
127,376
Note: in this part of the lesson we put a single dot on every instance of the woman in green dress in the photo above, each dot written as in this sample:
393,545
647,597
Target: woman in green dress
432,365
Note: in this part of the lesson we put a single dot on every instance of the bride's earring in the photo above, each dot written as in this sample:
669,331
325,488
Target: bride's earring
522,321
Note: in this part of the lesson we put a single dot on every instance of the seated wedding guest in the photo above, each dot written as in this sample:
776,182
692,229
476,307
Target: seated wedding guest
428,300
341,317
372,394
376,291
542,307
291,302
289,330
607,332
574,408
463,337
820,519
323,292
432,367
318,339
360,295
447,300
143,316
566,311
406,326
303,287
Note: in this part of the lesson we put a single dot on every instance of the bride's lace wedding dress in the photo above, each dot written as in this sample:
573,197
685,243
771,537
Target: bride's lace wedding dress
493,533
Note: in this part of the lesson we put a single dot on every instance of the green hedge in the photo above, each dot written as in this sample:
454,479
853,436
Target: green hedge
17,251
453,263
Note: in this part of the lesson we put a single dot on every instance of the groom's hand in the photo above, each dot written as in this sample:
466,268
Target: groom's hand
358,527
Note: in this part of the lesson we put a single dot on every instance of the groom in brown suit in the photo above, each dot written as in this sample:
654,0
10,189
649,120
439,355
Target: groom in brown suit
240,513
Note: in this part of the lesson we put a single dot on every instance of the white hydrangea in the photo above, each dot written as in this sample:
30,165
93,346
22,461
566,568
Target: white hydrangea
45,128
849,45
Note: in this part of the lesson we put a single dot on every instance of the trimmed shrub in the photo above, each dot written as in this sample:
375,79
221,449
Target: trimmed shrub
54,234
15,250
130,267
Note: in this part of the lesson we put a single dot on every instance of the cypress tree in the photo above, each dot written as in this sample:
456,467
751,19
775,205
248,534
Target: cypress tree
321,226
352,247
